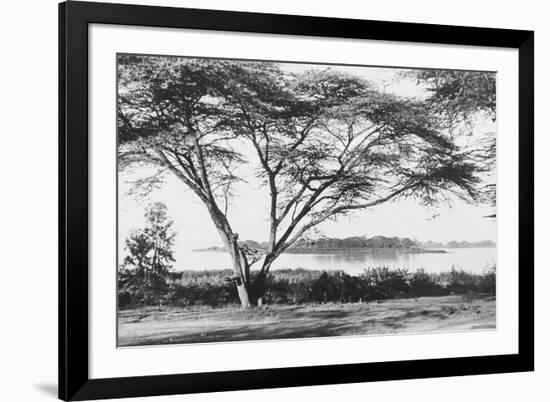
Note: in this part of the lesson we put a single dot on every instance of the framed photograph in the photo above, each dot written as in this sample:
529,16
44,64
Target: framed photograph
259,201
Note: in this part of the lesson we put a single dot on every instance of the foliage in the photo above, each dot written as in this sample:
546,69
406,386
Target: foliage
462,97
423,284
145,271
460,94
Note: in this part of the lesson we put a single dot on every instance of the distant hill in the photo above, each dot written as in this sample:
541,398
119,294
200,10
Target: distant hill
365,243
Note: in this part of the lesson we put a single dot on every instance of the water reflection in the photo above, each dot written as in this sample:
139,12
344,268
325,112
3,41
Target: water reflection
474,260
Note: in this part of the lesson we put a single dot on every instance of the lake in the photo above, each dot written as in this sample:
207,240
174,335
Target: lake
474,260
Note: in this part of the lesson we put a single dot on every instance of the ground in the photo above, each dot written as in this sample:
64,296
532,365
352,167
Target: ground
172,325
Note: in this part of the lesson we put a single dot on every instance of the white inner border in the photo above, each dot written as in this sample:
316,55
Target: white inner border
108,361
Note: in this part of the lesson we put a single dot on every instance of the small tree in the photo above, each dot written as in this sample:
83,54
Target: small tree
147,266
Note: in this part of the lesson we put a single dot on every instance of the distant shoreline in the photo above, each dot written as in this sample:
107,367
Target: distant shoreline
372,245
340,250
366,251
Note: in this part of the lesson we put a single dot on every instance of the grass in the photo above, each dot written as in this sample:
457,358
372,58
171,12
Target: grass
177,325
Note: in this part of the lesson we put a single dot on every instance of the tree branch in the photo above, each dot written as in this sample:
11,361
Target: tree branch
336,210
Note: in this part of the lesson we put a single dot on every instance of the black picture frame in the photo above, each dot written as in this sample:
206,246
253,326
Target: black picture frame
74,381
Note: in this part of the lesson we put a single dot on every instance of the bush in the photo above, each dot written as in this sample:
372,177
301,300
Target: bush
383,283
488,282
423,284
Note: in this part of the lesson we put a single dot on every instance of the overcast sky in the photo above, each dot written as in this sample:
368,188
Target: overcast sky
249,210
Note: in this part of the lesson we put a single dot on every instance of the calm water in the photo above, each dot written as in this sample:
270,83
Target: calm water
475,260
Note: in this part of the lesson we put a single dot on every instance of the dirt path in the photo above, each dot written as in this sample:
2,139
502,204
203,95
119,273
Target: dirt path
151,326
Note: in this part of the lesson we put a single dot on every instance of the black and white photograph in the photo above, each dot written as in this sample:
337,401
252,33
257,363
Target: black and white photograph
271,200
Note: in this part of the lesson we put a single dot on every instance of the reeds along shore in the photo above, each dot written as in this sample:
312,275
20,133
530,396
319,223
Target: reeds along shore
298,286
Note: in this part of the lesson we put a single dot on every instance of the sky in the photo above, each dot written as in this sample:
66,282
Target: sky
248,213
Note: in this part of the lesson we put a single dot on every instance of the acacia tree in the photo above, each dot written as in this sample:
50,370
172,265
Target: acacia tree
326,144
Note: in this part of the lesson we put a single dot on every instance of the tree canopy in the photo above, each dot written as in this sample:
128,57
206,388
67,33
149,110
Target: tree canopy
462,97
460,94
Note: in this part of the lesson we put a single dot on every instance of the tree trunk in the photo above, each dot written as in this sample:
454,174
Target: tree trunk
250,290
242,290
241,281
259,286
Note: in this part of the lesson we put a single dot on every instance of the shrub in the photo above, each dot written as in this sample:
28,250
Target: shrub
423,284
488,282
383,283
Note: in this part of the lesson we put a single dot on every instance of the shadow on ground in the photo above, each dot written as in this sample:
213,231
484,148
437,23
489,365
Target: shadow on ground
201,325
